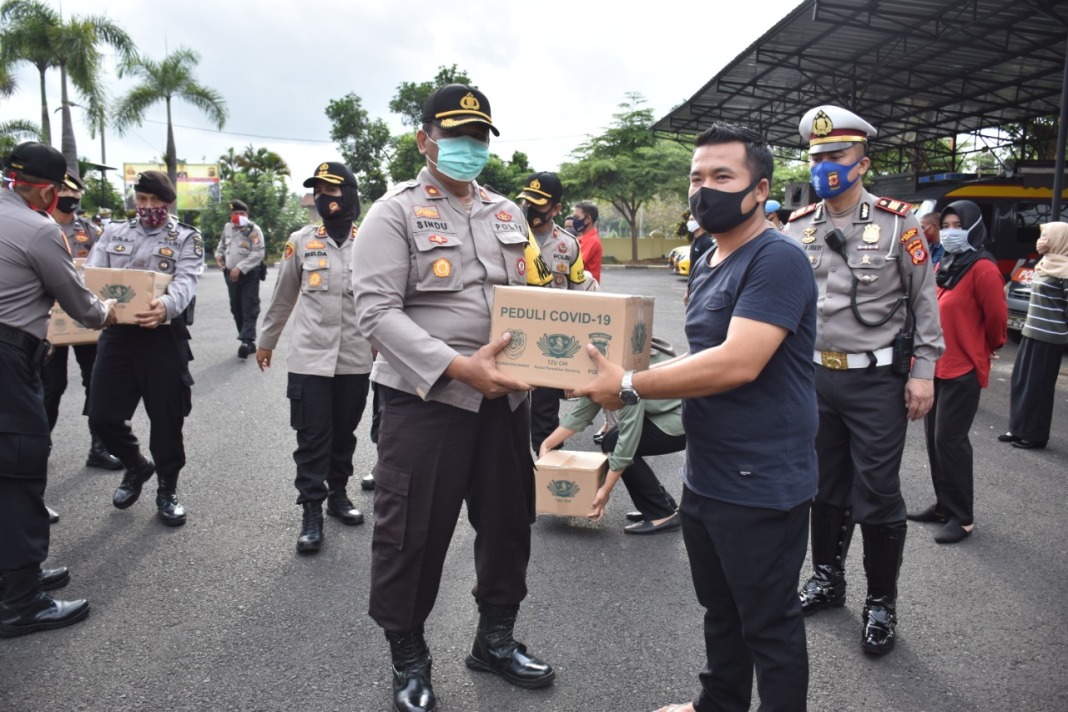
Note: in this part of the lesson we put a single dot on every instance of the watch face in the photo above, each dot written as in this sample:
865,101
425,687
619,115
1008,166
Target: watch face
629,397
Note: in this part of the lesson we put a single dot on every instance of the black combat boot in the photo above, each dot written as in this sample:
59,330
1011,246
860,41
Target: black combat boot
311,528
25,609
99,455
339,505
411,672
496,651
832,531
167,506
132,481
884,548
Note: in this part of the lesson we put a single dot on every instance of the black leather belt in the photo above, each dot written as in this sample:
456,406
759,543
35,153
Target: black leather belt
19,339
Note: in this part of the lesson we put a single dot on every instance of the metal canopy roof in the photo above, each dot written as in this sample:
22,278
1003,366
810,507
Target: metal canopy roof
915,69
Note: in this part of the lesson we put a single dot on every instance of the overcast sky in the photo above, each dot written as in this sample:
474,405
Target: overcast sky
554,71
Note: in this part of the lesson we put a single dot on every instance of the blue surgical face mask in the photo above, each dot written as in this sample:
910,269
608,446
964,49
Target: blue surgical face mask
955,240
461,158
830,179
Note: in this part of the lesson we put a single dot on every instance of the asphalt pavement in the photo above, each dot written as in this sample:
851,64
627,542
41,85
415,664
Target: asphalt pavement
223,614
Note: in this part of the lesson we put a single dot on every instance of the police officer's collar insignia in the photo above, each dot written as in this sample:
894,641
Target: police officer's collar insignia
504,217
821,124
818,217
321,232
432,191
288,252
865,211
134,221
484,195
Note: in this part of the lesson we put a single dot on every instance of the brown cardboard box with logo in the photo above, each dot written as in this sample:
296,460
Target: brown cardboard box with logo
551,327
566,481
64,331
132,289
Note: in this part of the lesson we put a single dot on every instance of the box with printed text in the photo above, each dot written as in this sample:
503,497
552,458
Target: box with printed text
65,331
566,481
551,327
132,289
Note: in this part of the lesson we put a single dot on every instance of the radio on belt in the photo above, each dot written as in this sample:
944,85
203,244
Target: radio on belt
550,329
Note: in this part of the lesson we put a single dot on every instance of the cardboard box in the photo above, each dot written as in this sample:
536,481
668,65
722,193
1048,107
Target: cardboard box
64,331
132,289
551,327
566,482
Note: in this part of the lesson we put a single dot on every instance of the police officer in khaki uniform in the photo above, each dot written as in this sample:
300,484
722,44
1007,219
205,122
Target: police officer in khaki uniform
554,260
35,272
454,429
81,236
329,361
148,360
239,255
870,262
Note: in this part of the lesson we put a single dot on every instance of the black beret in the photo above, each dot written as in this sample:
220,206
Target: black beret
236,205
157,183
38,160
541,189
334,173
457,104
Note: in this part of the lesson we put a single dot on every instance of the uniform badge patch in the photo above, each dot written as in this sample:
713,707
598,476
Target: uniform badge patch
315,245
120,248
166,252
521,265
561,246
81,237
810,235
442,268
288,251
918,254
431,191
908,235
438,239
504,217
871,233
322,262
315,279
426,212
865,210
164,265
321,231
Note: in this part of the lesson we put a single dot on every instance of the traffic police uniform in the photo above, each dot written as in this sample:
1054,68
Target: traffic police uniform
35,272
329,363
425,266
882,257
554,260
243,248
135,363
81,236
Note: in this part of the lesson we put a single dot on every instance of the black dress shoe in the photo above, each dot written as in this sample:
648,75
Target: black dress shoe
368,482
1029,444
598,437
341,507
644,527
246,348
495,650
1007,438
25,609
929,515
53,515
952,532
635,517
100,457
129,490
51,579
170,511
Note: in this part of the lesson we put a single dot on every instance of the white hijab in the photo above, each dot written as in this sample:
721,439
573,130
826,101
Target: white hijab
1053,246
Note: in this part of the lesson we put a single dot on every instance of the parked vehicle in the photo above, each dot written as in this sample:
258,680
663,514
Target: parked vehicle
1018,295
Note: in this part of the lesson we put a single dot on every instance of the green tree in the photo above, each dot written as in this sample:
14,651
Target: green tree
364,144
506,177
14,132
261,164
628,166
406,161
271,205
24,37
172,78
408,104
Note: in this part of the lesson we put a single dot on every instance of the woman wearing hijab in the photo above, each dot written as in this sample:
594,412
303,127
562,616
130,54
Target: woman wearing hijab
329,362
971,303
1045,334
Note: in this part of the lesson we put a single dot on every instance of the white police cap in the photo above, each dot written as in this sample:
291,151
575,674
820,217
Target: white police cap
831,128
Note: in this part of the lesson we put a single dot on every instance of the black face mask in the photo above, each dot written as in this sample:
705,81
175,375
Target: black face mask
338,212
719,211
68,204
536,218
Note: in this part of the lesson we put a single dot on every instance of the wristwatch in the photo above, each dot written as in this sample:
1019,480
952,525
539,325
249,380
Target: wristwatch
627,394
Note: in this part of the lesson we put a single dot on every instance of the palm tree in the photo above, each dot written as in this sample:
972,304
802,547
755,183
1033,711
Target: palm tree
163,81
15,131
26,37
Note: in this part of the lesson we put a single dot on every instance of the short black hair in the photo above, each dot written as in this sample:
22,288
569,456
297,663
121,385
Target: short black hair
588,207
758,157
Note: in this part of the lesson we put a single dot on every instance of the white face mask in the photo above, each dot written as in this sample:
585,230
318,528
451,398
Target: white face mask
955,240
242,220
692,225
105,221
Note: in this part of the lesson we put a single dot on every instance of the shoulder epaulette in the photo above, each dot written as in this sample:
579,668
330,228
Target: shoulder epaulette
400,188
190,227
897,207
801,212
